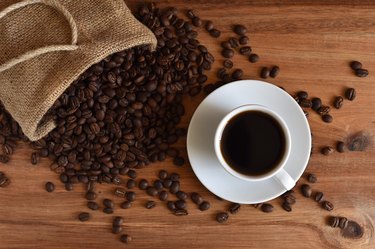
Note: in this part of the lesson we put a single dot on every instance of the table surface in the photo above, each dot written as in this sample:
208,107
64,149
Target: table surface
313,45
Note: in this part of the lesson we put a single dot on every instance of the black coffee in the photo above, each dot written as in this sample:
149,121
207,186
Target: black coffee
253,143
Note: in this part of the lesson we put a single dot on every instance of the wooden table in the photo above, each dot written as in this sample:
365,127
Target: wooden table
313,45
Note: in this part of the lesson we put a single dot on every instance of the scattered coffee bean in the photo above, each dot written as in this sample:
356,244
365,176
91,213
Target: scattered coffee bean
306,103
302,95
116,229
228,63
253,58
84,216
361,72
267,208
215,33
275,70
246,50
338,102
323,110
179,161
340,146
243,40
143,184
190,14
171,206
130,196
306,190
222,217
4,181
120,192
34,158
175,177
180,204
197,22
290,199
319,196
327,205
150,204
68,186
91,195
316,103
205,205
125,238
131,183
234,208
92,205
287,207
327,150
334,221
355,65
108,203
175,187
126,204
343,222
117,221
108,210
180,212
50,187
311,178
196,198
227,53
163,195
209,26
350,94
132,174
264,73
158,184
237,74
167,183
163,174
152,191
4,159
239,29
327,118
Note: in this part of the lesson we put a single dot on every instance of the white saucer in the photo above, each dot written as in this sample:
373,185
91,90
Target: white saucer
200,140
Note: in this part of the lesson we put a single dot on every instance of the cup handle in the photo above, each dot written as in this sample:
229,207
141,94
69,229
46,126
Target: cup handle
285,179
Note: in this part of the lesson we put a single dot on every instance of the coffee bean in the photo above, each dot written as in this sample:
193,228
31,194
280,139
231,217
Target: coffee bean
334,221
196,198
323,110
163,195
180,212
316,103
361,72
302,95
327,205
125,238
311,178
190,13
319,196
265,72
126,204
131,183
355,65
117,221
234,208
243,40
306,190
143,184
245,50
175,187
197,22
205,205
130,196
338,102
181,195
306,103
275,70
209,25
163,174
132,174
167,183
116,229
50,187
108,203
180,204
34,158
340,146
171,206
84,216
290,199
222,217
91,195
239,29
120,192
215,33
287,207
343,222
327,150
68,186
4,181
175,177
327,118
253,58
350,94
4,159
228,63
267,208
179,161
150,204
227,53
92,205
237,74
108,210
152,191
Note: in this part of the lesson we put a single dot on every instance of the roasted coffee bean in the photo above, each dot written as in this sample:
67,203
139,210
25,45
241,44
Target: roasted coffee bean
84,216
215,33
68,186
245,50
343,222
175,187
302,95
228,63
334,221
209,26
338,102
163,195
361,72
130,196
355,65
34,158
311,178
205,205
222,217
287,207
253,58
131,183
340,146
181,195
290,199
323,110
243,40
167,183
126,204
350,94
239,29
108,210
4,158
120,192
92,205
275,70
117,221
327,118
152,191
197,22
237,74
171,206
180,204
132,174
196,198
327,150
4,181
316,103
116,229
180,212
163,174
306,190
267,208
175,177
227,53
125,238
179,161
306,103
143,184
150,204
108,203
50,187
319,196
234,208
264,73
158,184
327,205
91,195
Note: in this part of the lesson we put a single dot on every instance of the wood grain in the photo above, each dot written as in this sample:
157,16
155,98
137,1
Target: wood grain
313,44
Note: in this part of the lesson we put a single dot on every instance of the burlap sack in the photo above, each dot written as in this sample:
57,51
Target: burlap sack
46,44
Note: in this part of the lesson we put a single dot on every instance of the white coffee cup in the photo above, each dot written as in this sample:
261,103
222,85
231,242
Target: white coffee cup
278,172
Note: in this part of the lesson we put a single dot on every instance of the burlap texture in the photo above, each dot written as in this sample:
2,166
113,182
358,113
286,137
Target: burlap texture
29,89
